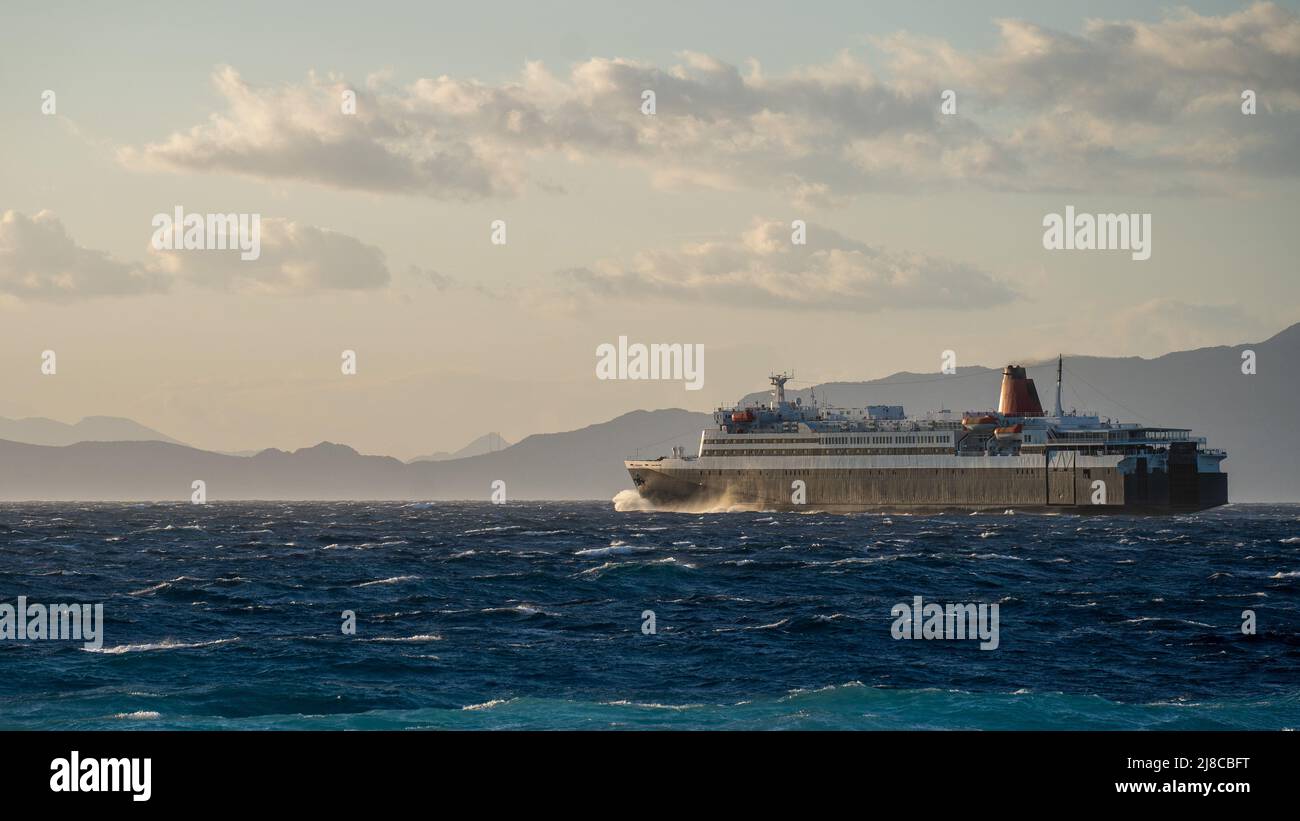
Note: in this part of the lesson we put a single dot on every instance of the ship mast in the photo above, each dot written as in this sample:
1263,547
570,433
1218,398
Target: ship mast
778,383
1057,411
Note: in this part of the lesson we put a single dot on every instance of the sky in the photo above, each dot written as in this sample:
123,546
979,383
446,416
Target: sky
924,228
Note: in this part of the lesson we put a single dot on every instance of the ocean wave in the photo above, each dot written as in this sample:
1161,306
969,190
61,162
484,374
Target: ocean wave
669,561
520,609
139,715
163,586
867,559
1147,619
651,705
165,644
614,549
389,580
418,638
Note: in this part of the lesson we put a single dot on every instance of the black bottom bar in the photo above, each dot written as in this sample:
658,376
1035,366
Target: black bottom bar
208,770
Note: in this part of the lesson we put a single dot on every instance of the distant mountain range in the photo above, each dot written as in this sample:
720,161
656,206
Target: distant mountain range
487,443
1253,417
580,464
37,430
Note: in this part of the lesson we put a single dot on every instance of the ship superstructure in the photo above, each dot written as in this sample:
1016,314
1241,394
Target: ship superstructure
794,455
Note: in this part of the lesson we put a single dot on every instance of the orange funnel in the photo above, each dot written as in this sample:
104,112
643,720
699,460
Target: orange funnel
1019,396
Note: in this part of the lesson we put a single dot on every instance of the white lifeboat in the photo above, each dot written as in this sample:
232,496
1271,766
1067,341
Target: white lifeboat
979,423
1014,433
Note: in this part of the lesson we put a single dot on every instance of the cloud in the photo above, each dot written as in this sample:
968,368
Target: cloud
1127,104
764,269
40,261
431,276
300,133
1121,106
295,259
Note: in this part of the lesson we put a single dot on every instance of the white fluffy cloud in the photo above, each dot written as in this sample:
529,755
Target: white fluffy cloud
295,259
763,268
300,133
1125,105
40,261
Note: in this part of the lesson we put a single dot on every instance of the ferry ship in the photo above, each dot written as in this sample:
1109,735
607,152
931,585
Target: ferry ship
794,456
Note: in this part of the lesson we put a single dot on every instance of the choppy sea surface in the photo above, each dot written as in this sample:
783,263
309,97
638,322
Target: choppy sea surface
533,616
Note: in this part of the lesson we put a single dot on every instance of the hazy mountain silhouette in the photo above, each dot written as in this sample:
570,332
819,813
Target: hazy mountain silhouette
38,430
580,464
487,443
1251,416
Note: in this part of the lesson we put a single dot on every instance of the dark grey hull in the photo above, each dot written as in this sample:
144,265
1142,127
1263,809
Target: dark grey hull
930,490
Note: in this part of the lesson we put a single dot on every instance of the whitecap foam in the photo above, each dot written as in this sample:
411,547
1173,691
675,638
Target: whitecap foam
139,715
162,586
522,609
615,548
418,638
651,705
630,501
390,580
165,644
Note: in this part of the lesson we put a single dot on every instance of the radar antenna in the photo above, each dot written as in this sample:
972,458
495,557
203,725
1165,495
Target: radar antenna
778,384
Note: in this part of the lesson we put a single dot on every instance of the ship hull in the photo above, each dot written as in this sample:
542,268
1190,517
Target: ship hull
685,485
